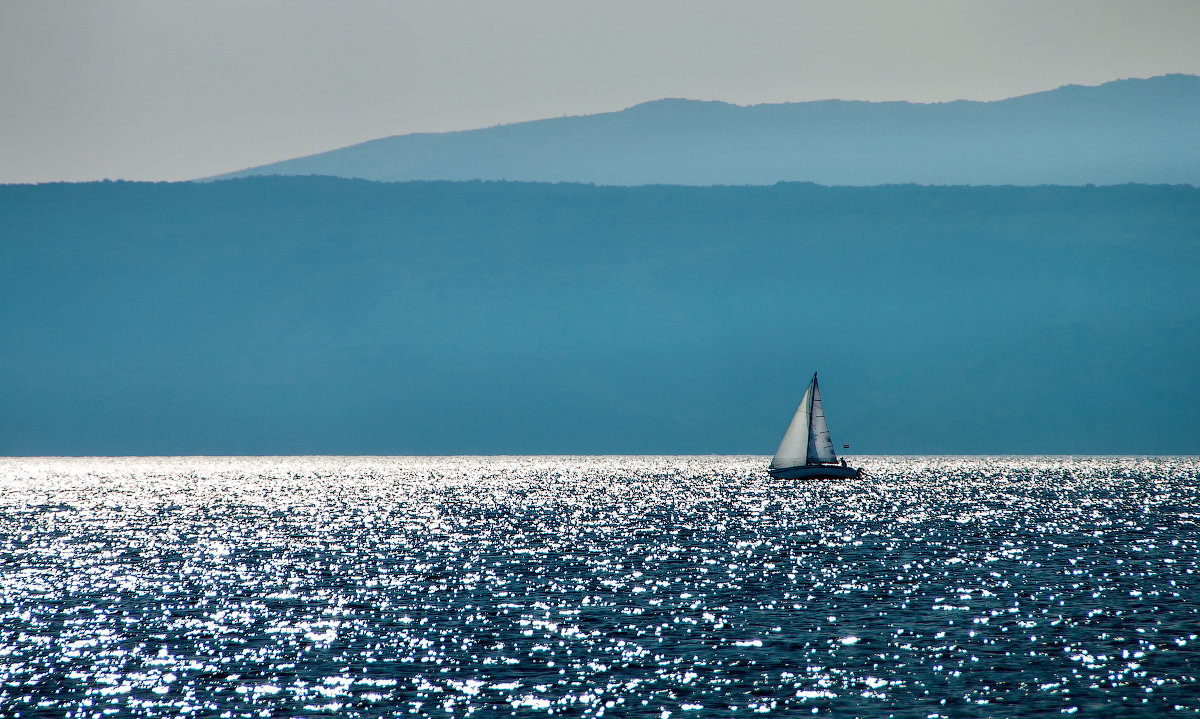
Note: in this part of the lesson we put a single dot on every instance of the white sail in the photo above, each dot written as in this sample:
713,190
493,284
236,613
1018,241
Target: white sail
793,450
820,445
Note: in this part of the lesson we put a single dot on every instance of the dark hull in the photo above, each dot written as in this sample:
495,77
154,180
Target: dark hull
816,471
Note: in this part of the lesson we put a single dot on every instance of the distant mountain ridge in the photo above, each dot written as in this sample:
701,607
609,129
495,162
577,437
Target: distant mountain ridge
1136,130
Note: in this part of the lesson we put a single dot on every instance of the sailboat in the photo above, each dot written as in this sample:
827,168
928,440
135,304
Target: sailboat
806,451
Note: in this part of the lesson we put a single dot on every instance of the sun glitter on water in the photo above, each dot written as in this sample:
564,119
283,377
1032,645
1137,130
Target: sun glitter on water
585,586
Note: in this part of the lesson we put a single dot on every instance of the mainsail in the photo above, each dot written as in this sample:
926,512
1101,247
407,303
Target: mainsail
807,438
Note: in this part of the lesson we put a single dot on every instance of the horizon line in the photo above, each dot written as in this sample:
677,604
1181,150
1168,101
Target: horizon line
608,455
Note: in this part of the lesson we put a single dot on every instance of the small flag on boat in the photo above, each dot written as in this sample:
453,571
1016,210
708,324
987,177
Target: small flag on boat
845,446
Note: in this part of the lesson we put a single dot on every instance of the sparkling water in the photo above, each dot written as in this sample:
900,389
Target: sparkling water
591,586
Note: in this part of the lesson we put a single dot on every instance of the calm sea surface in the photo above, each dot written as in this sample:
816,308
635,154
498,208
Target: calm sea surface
590,586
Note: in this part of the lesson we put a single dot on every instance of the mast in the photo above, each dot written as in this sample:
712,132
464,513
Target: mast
815,390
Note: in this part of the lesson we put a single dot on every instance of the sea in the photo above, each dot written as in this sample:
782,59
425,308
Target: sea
598,586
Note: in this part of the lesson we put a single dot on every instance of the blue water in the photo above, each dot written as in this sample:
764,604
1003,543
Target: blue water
590,586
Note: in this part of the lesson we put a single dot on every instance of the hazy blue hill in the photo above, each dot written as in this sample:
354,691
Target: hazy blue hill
1141,130
298,315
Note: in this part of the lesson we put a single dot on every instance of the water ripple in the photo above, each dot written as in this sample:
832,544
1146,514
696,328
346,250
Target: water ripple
580,586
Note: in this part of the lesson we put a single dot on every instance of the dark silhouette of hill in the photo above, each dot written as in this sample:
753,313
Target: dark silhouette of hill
318,315
1140,130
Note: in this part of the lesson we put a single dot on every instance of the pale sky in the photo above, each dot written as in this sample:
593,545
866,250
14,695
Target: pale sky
170,90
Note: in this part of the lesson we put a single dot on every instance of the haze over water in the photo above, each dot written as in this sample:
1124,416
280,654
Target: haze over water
591,586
